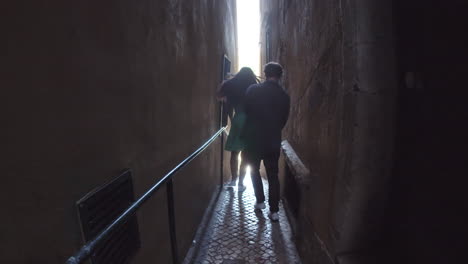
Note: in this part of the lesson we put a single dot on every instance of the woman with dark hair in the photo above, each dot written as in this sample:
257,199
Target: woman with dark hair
233,92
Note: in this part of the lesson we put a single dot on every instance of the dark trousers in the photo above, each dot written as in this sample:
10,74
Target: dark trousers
270,161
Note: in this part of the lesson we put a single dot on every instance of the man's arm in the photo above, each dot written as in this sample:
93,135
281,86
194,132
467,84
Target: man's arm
249,99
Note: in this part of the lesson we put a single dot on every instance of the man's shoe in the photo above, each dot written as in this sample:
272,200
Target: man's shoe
241,188
259,206
274,216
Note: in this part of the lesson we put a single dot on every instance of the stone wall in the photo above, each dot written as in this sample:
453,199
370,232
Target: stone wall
340,73
92,87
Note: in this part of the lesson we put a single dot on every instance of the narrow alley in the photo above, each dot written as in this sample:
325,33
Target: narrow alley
120,118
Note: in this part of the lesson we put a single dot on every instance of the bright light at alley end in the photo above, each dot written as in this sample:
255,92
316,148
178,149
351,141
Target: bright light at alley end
248,34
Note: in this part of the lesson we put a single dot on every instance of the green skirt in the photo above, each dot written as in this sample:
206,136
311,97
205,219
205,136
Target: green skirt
234,142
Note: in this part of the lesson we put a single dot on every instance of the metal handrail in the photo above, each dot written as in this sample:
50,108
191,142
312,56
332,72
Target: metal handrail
85,252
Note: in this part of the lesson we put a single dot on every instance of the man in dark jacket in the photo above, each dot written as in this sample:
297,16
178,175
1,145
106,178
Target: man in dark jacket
267,110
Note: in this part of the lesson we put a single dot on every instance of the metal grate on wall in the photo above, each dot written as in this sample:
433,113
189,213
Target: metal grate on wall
99,208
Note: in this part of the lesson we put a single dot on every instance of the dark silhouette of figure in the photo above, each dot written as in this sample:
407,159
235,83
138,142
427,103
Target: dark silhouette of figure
233,90
267,110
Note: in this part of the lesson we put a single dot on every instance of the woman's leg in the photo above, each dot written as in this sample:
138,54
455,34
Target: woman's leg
234,166
242,169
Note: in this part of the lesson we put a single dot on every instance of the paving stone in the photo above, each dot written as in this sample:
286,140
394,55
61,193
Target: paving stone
239,235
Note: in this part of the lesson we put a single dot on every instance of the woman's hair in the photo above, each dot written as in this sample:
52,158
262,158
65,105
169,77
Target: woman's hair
239,84
245,75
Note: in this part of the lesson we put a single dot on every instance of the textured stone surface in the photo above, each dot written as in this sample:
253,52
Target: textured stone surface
383,191
339,72
237,234
93,87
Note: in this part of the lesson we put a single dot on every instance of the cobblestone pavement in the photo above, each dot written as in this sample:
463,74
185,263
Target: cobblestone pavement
237,234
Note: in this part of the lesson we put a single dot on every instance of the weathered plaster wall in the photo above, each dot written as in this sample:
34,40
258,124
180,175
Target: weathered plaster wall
93,87
340,73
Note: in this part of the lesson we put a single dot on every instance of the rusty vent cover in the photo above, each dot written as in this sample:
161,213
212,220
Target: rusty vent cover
99,208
